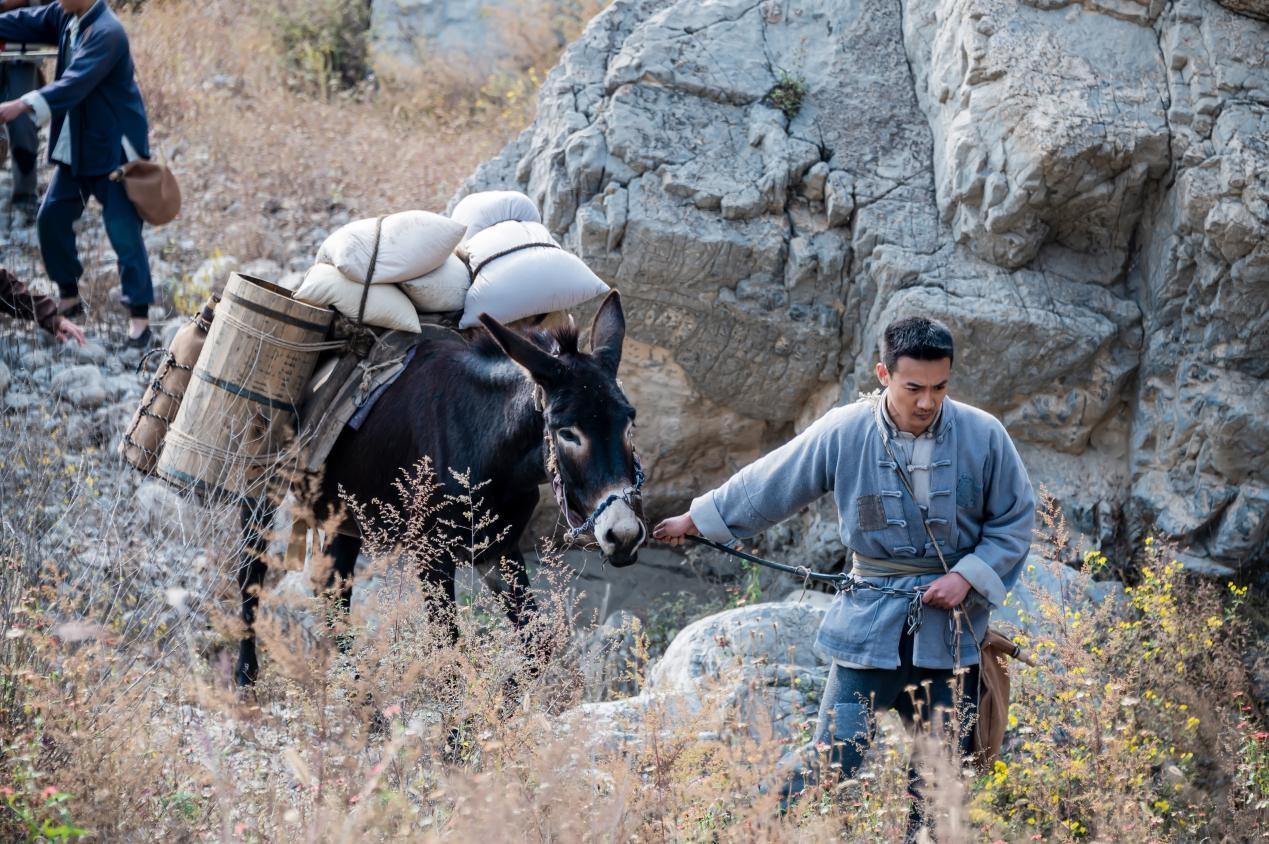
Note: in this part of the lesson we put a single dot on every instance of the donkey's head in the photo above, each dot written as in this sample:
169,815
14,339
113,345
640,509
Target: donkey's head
588,427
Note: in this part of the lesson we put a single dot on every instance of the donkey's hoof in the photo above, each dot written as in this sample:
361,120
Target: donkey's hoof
248,668
379,725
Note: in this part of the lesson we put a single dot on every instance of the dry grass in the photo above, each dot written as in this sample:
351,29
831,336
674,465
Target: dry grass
261,158
265,161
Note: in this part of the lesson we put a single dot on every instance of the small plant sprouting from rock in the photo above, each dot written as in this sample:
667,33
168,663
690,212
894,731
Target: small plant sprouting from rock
787,94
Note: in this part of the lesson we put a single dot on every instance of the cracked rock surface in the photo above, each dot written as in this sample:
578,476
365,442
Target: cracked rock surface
1078,189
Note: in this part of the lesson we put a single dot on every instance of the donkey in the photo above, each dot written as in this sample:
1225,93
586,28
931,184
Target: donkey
515,410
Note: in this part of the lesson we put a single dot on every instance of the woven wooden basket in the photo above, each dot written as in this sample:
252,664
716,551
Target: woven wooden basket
240,408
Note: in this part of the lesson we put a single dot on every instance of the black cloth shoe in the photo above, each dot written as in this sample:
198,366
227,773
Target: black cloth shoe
142,341
75,311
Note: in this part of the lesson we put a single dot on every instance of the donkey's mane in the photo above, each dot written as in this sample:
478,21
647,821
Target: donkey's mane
560,340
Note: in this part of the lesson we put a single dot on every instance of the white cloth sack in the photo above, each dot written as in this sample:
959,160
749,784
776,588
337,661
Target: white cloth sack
386,305
443,289
411,244
479,211
536,280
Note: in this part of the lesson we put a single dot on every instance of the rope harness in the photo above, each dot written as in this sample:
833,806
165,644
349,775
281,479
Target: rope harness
475,270
167,362
370,271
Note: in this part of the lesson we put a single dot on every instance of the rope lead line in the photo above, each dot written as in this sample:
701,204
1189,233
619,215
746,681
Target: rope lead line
842,582
798,571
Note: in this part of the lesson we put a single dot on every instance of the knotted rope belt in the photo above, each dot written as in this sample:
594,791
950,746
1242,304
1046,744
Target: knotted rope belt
864,566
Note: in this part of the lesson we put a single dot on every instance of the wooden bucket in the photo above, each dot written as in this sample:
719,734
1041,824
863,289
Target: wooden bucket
143,441
240,408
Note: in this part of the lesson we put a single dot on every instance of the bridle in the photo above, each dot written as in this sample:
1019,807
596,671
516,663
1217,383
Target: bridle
631,495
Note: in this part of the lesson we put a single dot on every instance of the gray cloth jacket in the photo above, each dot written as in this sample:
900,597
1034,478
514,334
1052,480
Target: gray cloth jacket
981,504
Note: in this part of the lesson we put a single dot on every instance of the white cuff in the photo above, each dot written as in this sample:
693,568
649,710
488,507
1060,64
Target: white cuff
39,105
709,521
982,577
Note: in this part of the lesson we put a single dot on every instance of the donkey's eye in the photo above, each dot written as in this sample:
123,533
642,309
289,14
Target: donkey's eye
569,435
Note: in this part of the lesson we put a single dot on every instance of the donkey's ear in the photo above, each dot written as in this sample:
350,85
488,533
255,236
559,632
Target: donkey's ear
542,366
608,332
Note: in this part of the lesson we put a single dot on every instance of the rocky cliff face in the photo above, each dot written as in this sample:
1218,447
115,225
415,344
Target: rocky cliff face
1081,190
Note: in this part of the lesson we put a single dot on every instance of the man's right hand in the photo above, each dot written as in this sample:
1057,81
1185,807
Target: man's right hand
12,110
67,330
671,531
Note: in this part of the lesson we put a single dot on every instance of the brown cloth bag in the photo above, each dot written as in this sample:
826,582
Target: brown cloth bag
152,189
993,696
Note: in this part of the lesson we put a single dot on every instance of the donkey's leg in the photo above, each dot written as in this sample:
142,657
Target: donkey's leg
343,551
438,582
510,583
257,516
438,577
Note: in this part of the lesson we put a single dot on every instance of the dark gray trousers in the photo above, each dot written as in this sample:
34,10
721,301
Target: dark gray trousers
852,696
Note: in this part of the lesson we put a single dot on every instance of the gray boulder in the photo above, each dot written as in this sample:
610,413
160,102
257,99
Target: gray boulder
1012,93
1200,426
19,401
91,352
265,268
213,272
1258,9
609,659
37,359
165,512
1043,582
83,386
755,666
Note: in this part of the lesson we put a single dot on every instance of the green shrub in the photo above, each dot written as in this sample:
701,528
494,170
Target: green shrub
323,42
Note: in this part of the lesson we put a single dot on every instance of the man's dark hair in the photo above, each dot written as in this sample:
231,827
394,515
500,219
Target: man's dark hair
915,337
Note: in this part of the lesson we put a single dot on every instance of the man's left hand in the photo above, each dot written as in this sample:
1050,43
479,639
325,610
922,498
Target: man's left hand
12,110
948,592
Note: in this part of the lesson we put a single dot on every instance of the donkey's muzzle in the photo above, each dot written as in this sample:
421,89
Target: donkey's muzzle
620,533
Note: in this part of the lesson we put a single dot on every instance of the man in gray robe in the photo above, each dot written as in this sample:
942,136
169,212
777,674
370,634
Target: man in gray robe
908,469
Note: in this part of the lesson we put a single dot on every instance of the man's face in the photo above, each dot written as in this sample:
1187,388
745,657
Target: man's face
916,391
